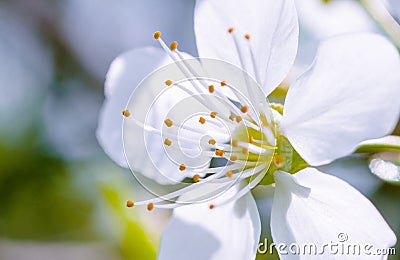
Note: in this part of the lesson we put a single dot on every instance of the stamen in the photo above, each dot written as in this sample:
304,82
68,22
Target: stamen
247,36
157,35
219,152
202,120
234,142
126,113
279,160
211,206
212,141
182,167
168,122
173,46
245,150
242,174
196,178
213,114
241,59
230,30
211,88
231,117
251,139
229,174
233,158
167,142
150,206
243,109
219,171
168,82
130,203
188,68
246,189
239,119
223,83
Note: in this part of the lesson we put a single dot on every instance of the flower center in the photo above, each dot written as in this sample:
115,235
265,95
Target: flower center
223,112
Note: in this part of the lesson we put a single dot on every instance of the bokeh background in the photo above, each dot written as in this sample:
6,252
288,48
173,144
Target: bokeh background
61,197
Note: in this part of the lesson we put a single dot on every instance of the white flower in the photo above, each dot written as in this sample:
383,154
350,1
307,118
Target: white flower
348,95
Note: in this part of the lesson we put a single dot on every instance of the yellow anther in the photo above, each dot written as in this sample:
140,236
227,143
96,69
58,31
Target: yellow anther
279,160
211,206
229,174
230,30
213,114
239,119
130,203
167,142
150,206
231,117
126,113
196,178
168,82
247,36
243,109
168,122
251,139
202,120
245,150
223,83
233,158
173,46
211,88
219,152
234,142
157,35
182,167
212,141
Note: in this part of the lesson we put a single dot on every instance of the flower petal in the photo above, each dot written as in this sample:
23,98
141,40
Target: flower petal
272,27
124,75
313,207
350,94
196,232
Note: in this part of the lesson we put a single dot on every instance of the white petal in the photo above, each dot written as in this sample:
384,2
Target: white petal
350,94
313,207
124,75
231,231
272,26
386,166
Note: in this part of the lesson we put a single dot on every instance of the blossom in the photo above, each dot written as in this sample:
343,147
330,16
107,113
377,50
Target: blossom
348,95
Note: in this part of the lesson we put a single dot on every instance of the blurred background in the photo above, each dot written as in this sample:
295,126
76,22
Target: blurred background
61,197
